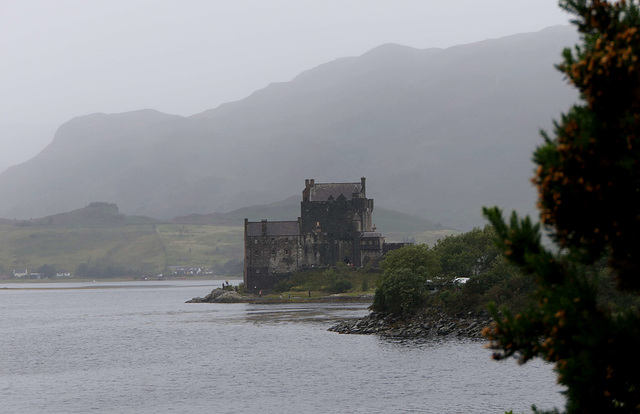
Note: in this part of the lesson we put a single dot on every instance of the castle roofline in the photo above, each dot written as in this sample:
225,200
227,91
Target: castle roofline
333,191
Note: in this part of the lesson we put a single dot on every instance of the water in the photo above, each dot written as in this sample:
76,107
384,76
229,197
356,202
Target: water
136,347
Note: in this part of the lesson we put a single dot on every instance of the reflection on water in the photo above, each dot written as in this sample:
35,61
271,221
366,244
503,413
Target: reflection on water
138,349
303,312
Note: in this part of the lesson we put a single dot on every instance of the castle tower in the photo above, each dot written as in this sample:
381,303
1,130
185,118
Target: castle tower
333,217
335,226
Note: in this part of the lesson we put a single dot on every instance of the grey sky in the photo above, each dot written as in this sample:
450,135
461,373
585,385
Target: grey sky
66,58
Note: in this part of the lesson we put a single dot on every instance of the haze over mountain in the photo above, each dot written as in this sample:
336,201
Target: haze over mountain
438,133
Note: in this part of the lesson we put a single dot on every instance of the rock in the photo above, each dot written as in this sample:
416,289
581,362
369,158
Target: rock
229,297
221,296
423,326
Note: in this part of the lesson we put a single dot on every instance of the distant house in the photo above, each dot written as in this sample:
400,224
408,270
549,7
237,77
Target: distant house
335,225
185,270
17,273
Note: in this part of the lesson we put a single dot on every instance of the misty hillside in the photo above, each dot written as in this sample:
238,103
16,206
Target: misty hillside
96,214
438,133
386,220
107,243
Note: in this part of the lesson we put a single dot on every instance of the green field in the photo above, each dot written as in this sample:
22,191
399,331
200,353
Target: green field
98,241
138,249
202,245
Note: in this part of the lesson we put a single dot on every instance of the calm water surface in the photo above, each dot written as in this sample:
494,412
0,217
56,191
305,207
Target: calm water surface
136,347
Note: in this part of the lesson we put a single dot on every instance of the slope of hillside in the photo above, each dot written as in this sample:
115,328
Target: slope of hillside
289,209
96,214
99,241
438,133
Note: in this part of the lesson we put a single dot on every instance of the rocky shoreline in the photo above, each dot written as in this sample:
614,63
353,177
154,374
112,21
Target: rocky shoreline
230,296
432,325
429,325
221,296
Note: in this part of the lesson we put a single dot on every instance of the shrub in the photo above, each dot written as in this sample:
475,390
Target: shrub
401,292
283,286
337,279
365,284
340,286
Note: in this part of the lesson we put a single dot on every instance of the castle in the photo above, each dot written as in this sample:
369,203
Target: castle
335,225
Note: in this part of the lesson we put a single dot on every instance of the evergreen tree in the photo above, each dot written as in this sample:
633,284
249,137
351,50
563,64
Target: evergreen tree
588,179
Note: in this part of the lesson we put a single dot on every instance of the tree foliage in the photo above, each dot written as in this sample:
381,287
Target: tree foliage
101,269
408,272
47,270
401,291
588,180
593,164
337,279
465,255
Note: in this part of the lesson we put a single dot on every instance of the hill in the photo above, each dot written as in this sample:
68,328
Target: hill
289,209
96,214
438,133
99,241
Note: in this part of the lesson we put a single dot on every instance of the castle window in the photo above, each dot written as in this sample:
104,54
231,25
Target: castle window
286,240
273,252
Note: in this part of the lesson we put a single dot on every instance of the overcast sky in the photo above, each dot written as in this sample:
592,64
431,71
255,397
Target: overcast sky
65,58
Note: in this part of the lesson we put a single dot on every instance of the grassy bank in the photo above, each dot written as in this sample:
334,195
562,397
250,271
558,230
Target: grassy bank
135,249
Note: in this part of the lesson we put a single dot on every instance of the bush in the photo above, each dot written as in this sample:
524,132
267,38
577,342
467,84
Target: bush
401,292
340,286
454,301
283,286
408,272
337,279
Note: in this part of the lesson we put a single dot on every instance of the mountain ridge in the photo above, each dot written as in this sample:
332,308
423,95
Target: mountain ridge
432,129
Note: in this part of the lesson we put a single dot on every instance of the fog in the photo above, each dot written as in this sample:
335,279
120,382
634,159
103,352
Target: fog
69,58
